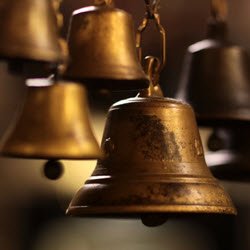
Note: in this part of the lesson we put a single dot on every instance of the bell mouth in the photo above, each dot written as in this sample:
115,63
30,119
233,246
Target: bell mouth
138,211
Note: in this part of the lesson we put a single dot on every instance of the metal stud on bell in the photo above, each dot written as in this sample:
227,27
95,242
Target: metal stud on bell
102,49
29,31
53,124
154,167
216,75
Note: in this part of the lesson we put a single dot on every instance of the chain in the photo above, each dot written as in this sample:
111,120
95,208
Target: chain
219,10
59,17
152,14
60,20
104,2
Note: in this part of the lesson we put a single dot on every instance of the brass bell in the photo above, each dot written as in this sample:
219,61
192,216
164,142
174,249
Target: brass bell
154,164
29,31
54,124
102,48
216,78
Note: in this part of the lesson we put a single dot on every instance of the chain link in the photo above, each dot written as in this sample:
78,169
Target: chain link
152,14
63,44
57,4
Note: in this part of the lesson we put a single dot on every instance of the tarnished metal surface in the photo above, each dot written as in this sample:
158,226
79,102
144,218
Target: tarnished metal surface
102,49
29,31
54,124
216,73
154,164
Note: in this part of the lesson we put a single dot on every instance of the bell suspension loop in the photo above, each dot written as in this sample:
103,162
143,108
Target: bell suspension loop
219,10
104,2
151,69
61,67
217,22
152,65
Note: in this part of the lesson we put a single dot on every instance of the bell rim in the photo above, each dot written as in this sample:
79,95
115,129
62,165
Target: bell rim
108,83
52,156
213,44
159,102
133,210
28,54
95,9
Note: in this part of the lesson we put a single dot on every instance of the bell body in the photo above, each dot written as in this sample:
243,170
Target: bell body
216,81
154,164
102,50
29,31
53,124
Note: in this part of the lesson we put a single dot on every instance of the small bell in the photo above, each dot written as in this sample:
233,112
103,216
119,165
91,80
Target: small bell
154,167
216,76
29,31
54,124
102,48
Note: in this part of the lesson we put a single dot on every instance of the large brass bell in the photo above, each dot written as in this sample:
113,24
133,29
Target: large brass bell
102,49
54,124
216,78
154,164
29,31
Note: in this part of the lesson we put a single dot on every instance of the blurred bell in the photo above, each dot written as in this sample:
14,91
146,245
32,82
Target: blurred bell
54,124
154,164
102,50
29,31
216,78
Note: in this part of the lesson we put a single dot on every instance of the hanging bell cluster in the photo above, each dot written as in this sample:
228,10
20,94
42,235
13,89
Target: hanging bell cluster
54,122
216,82
156,165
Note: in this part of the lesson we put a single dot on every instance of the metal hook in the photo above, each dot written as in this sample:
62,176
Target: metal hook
104,2
219,9
151,68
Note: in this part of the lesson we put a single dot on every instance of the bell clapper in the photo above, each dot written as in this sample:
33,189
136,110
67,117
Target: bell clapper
153,220
215,142
219,140
53,169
